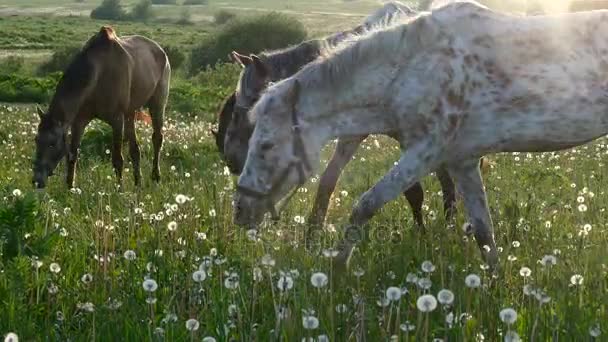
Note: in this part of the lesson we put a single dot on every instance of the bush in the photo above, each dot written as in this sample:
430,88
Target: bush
12,64
185,18
109,10
223,17
142,11
59,61
175,55
164,2
249,35
24,89
195,2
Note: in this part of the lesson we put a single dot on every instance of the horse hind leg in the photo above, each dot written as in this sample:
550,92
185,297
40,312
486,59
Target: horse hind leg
415,197
156,105
448,189
134,151
117,159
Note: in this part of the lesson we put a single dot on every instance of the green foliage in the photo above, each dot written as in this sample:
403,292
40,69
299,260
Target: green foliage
60,60
12,64
18,234
142,11
247,35
109,10
176,56
20,88
164,2
96,140
223,16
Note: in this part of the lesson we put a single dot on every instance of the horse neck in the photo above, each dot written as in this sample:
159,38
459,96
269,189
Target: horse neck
286,63
352,108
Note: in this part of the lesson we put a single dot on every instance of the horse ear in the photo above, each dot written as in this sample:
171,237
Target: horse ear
241,59
40,112
259,65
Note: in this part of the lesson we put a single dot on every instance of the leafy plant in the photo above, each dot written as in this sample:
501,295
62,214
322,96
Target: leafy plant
109,10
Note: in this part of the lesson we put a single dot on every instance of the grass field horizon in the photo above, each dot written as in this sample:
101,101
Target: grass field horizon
164,262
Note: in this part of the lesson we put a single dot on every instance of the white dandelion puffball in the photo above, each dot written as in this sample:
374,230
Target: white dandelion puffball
285,283
172,226
445,297
310,322
407,326
319,279
199,276
55,268
525,272
426,303
393,293
87,278
268,261
548,260
232,282
427,267
180,199
17,193
150,285
192,324
595,331
209,339
577,279
508,315
472,281
512,336
322,338
130,255
11,337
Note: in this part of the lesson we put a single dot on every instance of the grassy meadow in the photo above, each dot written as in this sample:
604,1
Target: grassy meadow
165,263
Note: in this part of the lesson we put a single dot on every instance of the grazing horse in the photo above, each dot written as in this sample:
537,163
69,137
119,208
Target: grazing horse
111,78
235,129
457,83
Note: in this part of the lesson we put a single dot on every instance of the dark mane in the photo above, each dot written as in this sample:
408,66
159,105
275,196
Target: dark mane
224,118
80,71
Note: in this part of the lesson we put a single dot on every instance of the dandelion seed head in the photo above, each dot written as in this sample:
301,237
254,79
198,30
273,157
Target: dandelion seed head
192,324
576,280
172,226
310,322
512,336
285,282
508,315
426,303
472,281
87,278
445,297
525,272
55,268
199,276
130,255
150,285
427,266
595,331
319,279
11,337
393,293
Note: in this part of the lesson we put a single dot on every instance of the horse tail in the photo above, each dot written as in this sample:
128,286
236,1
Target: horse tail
140,115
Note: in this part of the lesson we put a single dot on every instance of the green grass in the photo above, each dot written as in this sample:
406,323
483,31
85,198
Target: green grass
534,198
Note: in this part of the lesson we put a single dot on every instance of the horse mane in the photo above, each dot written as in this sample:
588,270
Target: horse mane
80,71
224,117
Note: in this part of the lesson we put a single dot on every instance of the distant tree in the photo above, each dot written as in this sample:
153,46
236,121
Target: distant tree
223,17
195,2
164,2
109,10
142,11
175,55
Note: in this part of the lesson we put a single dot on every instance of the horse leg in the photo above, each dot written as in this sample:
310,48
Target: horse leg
470,185
448,189
415,197
418,160
157,105
117,136
345,150
73,152
134,151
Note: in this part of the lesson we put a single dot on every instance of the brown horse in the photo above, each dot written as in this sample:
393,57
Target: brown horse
110,79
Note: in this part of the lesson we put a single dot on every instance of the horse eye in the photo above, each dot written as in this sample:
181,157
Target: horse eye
266,146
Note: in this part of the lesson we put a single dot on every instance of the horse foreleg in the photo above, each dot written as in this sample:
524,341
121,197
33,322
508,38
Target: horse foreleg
117,159
345,150
448,189
415,197
133,149
73,152
418,160
470,185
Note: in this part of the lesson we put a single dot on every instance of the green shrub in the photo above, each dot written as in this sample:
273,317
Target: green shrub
12,64
247,35
223,17
176,56
202,94
185,18
195,2
109,10
25,89
142,11
59,61
164,2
